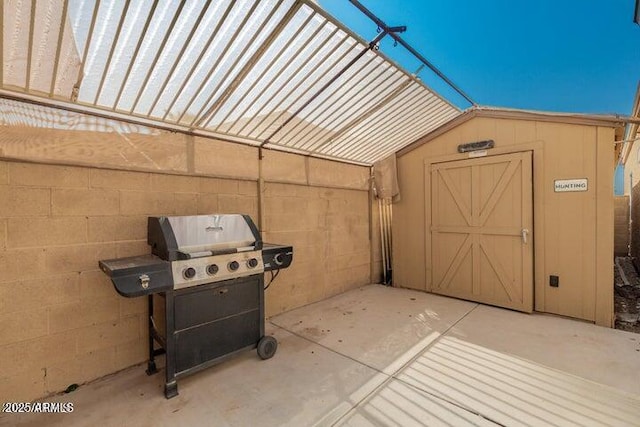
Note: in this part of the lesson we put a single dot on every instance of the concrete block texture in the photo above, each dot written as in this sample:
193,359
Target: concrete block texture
284,167
336,174
84,201
24,201
120,180
45,231
4,173
47,175
224,159
24,295
329,229
63,322
152,150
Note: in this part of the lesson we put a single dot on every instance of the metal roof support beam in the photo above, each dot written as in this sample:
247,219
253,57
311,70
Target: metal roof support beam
76,87
63,24
274,146
265,69
145,82
135,53
398,134
251,62
389,133
364,116
32,23
307,119
2,44
414,52
199,115
275,77
179,58
294,89
342,106
372,46
362,105
421,128
204,50
214,67
120,116
396,113
395,117
114,43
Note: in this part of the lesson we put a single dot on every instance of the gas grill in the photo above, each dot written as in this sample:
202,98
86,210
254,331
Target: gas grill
209,270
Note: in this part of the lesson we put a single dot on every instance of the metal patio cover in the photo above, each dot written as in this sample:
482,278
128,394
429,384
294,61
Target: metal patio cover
258,72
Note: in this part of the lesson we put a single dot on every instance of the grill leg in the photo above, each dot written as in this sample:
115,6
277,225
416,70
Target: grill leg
151,365
171,389
171,386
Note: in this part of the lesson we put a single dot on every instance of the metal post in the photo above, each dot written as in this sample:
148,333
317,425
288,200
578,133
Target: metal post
151,363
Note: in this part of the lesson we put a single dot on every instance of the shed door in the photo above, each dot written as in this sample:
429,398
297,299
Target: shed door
481,233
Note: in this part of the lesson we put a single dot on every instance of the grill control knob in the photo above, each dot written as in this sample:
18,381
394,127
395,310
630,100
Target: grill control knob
278,259
144,281
189,273
233,266
252,263
212,269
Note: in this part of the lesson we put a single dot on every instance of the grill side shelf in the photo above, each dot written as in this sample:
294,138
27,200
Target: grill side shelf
139,275
276,256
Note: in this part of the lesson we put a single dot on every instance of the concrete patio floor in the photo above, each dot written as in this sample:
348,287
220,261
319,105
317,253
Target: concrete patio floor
384,356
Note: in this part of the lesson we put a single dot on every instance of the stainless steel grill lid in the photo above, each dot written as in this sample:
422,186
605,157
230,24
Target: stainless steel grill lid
185,237
189,251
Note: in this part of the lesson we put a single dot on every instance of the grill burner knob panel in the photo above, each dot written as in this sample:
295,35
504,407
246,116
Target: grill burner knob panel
189,273
216,268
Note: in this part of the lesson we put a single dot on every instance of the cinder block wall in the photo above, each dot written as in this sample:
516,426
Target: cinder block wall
635,226
62,321
621,225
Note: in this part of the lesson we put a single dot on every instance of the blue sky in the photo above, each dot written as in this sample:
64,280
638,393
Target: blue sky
555,55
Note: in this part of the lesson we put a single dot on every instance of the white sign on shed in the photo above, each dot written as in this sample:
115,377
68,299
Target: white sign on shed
570,185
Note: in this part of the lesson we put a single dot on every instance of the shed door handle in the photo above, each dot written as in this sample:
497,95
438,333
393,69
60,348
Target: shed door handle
525,233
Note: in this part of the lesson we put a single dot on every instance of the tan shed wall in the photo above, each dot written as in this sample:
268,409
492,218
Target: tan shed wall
62,321
573,232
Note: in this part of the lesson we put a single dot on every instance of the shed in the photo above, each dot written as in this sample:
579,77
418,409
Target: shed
527,224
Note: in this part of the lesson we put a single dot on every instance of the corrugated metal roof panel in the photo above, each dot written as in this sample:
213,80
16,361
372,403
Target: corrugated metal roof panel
275,72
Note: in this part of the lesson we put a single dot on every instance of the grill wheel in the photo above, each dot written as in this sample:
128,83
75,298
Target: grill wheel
267,347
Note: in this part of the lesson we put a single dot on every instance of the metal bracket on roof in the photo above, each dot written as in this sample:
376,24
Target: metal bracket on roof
411,50
372,46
